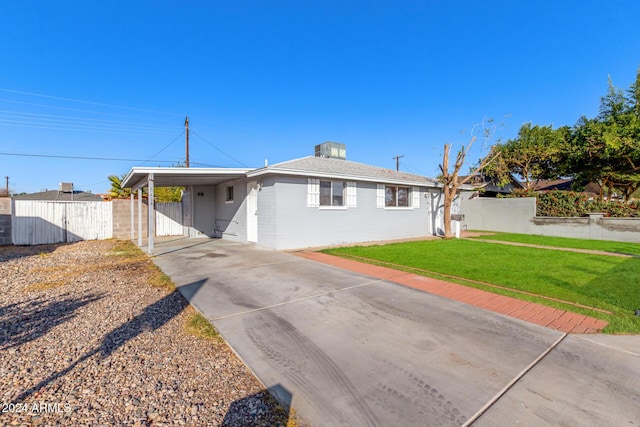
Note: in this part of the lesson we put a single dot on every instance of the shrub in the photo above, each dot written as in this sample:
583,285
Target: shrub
559,203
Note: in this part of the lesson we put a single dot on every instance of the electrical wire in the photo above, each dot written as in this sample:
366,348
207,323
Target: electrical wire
57,107
228,155
413,169
81,101
58,118
52,156
79,128
164,148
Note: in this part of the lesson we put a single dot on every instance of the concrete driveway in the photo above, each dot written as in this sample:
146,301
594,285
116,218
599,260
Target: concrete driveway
350,350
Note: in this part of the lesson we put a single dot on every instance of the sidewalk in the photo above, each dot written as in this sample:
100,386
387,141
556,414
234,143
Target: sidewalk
561,320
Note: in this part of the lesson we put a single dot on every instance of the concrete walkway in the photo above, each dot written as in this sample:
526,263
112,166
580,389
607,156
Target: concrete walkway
556,248
348,349
561,320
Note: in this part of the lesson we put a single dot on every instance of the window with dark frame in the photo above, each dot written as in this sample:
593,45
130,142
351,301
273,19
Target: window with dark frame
396,196
332,193
229,194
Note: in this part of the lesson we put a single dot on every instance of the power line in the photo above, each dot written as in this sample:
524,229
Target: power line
165,147
58,118
81,101
54,126
228,155
52,156
56,107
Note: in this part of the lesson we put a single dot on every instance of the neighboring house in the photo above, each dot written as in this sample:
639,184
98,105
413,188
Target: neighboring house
489,186
307,202
66,193
591,189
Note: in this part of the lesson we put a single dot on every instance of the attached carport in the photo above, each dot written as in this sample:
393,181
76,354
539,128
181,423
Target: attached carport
142,177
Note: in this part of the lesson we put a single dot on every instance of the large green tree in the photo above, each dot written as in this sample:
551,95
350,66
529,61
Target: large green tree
532,156
606,149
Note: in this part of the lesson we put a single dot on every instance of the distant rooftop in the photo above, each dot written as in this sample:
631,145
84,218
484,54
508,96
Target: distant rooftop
53,195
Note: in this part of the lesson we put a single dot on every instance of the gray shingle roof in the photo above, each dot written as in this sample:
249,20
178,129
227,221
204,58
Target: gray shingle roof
52,195
347,169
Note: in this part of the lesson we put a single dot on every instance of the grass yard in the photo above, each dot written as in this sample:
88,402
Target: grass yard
563,242
604,282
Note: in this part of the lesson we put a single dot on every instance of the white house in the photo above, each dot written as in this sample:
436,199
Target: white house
313,201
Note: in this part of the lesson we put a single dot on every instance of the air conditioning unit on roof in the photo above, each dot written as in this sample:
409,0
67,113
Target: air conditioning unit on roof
332,150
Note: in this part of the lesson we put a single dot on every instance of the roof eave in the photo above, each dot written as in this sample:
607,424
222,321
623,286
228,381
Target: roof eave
138,177
317,174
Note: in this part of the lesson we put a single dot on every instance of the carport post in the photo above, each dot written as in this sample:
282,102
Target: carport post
139,217
152,217
131,223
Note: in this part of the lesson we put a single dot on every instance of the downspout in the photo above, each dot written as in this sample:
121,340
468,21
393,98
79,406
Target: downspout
152,216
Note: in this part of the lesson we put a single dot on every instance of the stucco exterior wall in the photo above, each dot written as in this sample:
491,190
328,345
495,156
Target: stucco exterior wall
203,198
231,216
299,226
267,222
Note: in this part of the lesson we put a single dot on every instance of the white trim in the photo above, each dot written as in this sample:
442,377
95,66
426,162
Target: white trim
380,196
352,195
415,191
137,176
313,192
332,208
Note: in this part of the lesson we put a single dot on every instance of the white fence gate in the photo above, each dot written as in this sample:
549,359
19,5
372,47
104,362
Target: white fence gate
39,222
169,219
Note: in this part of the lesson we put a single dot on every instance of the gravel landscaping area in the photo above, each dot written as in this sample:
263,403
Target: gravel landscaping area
90,334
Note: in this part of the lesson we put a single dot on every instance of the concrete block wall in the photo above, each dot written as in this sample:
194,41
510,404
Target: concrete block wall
5,220
508,215
519,216
122,218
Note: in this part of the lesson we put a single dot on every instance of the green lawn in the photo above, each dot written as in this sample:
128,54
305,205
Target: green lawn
563,242
605,282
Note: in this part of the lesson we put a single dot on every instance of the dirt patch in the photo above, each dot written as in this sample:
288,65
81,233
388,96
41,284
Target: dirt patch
85,339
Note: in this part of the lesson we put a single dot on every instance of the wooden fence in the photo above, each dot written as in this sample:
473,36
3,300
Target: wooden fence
40,222
169,219
37,222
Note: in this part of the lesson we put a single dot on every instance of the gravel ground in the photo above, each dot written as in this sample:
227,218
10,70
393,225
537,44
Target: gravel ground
85,340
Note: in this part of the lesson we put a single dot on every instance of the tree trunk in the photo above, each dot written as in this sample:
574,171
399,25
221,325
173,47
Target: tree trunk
449,194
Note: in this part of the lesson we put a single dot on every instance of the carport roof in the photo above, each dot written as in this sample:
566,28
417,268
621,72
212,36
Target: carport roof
179,177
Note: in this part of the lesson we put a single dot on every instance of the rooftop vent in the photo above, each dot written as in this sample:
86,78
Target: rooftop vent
65,187
332,150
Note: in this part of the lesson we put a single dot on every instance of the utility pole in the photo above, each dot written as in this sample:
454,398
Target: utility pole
186,124
397,161
7,185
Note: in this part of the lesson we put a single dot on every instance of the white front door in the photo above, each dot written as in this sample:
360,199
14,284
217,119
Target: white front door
252,211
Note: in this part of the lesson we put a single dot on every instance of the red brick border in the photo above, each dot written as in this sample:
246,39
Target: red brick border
561,320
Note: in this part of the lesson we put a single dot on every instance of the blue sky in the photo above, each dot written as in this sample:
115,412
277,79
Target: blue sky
271,79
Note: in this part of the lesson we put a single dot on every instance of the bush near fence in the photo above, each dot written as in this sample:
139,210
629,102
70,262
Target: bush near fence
558,203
